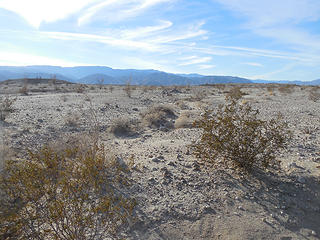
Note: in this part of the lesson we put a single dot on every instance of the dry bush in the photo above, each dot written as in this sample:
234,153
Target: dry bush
80,88
160,116
182,104
235,137
123,127
65,195
198,94
23,90
286,88
6,107
128,89
314,94
64,98
72,120
111,88
185,120
235,93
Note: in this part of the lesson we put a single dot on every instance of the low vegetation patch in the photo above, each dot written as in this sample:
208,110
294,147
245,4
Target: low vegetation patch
123,127
69,194
160,116
235,137
6,107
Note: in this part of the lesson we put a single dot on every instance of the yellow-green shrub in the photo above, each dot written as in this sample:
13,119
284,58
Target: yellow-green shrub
69,194
237,138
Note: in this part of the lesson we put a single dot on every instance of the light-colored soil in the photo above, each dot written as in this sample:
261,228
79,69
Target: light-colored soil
177,198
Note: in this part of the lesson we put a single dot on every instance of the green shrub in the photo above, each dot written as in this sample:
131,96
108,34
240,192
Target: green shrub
235,137
64,195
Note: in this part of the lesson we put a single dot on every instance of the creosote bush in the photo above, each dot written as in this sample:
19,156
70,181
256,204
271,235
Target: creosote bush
6,107
235,93
70,194
235,137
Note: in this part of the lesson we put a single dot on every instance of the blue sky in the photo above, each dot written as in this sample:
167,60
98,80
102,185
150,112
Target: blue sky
257,39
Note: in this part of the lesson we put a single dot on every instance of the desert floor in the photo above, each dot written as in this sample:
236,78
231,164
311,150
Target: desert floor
177,197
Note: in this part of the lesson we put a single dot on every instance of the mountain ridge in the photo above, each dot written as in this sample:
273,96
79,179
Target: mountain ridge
107,75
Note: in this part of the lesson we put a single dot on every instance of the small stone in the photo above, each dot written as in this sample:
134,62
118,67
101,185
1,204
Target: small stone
171,164
156,160
241,208
313,233
301,180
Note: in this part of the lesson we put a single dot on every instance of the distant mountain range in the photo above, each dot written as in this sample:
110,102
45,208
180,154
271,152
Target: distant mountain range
98,74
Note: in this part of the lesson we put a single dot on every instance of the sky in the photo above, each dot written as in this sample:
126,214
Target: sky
256,39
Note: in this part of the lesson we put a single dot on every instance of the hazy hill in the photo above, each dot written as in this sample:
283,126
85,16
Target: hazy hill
94,74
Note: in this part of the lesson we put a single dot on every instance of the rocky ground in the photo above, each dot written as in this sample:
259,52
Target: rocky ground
177,197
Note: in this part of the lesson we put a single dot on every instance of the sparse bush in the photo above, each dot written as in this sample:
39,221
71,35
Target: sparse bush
237,138
235,93
314,94
65,195
128,89
286,88
111,88
159,117
72,120
185,120
80,88
6,107
24,90
122,127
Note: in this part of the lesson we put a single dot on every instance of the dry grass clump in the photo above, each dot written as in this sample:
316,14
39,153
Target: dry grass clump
198,94
185,120
68,194
286,88
235,137
235,93
314,94
6,106
123,127
72,120
160,116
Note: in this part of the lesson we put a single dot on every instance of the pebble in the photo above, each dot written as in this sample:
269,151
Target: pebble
301,180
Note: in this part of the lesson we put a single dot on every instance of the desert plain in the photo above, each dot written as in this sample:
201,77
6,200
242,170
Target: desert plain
177,197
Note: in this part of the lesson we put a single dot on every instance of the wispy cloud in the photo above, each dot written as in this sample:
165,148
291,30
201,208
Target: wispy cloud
38,11
113,41
194,60
254,64
279,20
117,10
207,66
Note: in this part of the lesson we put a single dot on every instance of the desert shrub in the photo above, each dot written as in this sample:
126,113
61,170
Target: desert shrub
6,107
24,90
80,88
235,137
123,127
160,116
286,88
111,88
235,93
185,120
314,94
198,94
128,89
65,195
72,120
